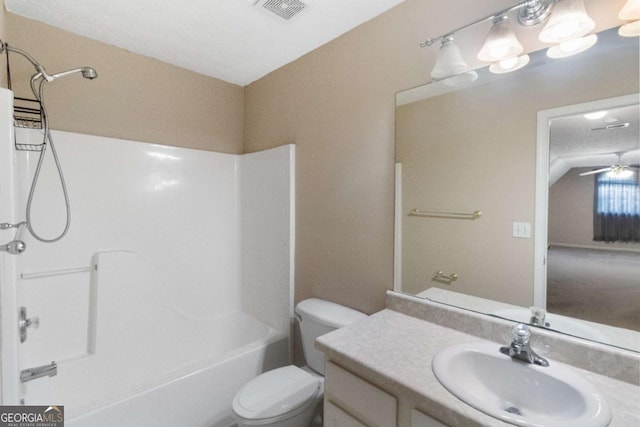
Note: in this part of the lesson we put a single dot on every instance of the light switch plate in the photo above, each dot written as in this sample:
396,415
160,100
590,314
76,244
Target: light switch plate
522,230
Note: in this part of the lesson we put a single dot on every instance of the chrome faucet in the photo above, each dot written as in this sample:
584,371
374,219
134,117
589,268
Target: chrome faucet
520,348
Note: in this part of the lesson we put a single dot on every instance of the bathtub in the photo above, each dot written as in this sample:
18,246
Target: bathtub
198,394
150,305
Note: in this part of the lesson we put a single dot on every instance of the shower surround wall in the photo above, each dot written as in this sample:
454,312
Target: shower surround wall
176,260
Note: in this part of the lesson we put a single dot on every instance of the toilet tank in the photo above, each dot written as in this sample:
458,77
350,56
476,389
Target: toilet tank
318,317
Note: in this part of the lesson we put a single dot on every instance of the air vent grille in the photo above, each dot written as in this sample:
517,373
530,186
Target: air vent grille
286,9
611,127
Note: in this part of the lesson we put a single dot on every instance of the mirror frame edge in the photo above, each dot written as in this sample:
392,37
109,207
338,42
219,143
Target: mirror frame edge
397,224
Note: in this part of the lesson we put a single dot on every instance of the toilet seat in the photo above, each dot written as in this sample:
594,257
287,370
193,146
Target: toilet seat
276,395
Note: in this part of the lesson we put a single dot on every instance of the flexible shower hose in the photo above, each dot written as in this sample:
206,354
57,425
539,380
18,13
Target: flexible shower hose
39,94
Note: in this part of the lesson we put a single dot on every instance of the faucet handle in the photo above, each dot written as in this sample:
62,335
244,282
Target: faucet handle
24,323
521,334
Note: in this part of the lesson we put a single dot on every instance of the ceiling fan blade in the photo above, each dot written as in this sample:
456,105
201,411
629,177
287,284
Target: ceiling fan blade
596,171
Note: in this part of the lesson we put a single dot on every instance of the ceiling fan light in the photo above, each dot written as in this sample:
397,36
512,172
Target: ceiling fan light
501,42
620,172
595,115
630,11
632,29
569,20
449,61
572,47
509,65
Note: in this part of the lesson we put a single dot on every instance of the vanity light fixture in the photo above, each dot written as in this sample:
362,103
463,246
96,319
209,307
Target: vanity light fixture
567,28
449,62
501,42
568,21
630,12
572,47
510,64
632,29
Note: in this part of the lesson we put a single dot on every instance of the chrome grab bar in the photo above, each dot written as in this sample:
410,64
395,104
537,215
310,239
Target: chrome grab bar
39,372
17,245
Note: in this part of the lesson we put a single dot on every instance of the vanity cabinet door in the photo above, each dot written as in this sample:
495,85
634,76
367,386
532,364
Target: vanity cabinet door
360,399
420,419
336,417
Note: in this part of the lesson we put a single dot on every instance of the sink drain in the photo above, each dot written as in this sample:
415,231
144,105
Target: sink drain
513,410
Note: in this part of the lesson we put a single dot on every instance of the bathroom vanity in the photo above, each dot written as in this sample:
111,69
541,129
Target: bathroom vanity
379,371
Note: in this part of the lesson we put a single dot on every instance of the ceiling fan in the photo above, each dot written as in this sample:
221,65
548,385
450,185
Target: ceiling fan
619,169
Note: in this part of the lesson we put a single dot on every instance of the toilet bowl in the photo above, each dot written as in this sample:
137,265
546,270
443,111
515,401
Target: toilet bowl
284,397
291,396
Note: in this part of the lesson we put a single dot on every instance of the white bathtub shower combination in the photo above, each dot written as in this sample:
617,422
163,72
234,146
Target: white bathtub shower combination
172,288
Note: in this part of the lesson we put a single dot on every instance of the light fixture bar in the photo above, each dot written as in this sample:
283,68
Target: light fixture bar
545,6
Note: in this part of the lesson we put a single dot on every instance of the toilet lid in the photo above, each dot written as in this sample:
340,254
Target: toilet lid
275,393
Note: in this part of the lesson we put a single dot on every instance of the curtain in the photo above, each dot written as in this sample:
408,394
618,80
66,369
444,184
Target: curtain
616,209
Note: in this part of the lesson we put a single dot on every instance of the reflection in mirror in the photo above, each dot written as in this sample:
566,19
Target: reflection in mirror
593,238
462,150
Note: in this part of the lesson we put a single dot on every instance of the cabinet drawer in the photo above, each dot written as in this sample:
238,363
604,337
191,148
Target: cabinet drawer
336,417
366,402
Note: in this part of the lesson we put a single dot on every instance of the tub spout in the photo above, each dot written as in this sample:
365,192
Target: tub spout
38,372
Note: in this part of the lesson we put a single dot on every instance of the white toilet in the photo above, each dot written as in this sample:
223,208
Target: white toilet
290,396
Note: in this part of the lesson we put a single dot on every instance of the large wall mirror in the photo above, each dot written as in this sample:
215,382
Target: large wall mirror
497,198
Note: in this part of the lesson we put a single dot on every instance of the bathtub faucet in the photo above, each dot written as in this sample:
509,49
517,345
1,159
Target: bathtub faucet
14,247
17,245
39,372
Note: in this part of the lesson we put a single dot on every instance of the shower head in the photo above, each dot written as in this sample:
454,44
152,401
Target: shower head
87,73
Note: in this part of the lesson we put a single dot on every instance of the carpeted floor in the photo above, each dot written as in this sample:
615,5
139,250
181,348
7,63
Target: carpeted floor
596,285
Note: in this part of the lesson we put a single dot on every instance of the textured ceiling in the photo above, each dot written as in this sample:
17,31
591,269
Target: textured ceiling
616,132
237,41
578,142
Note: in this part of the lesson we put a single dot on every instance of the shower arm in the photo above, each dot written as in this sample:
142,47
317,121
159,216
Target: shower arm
87,72
39,68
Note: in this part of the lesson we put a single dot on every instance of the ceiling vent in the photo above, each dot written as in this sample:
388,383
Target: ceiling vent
285,9
611,127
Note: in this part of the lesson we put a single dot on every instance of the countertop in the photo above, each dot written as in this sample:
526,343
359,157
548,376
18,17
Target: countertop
394,351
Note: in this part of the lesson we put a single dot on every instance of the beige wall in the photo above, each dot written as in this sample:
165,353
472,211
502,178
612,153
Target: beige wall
571,213
134,97
457,158
337,105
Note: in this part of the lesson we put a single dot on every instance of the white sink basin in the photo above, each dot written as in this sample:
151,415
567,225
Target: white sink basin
517,392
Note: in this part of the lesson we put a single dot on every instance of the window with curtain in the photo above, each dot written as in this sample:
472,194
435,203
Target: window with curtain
616,208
